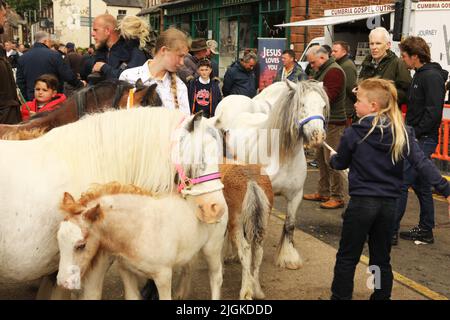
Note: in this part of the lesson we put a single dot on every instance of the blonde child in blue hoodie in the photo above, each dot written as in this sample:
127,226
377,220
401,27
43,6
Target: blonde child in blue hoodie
374,149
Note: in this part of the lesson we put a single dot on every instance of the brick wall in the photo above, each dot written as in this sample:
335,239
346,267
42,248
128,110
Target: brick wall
316,10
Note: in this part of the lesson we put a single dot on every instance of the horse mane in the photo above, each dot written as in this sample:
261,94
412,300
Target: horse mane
39,115
24,134
107,83
96,191
284,114
130,146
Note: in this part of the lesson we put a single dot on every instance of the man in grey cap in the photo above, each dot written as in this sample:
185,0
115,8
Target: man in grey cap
212,52
198,51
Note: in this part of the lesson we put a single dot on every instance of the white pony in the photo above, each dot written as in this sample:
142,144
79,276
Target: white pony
148,236
131,147
292,113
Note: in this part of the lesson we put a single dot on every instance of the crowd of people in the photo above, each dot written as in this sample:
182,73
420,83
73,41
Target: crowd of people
365,123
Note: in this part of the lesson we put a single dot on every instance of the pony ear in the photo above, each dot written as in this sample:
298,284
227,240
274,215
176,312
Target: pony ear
291,84
139,84
68,199
94,214
191,123
70,206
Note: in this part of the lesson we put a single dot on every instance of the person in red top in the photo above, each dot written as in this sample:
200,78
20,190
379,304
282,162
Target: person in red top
46,96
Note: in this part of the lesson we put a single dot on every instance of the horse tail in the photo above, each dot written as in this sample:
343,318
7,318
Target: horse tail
255,212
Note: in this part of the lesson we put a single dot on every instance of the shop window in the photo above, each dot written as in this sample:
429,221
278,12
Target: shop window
268,29
155,23
200,24
121,14
182,22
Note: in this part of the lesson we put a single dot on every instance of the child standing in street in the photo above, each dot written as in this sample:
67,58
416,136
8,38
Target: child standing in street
46,96
374,149
204,92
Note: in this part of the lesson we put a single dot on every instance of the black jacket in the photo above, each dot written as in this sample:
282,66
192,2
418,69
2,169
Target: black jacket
13,58
426,98
372,172
237,80
124,54
9,104
38,61
216,96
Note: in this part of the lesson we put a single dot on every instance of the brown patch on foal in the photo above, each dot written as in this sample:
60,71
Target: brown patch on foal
235,178
77,210
96,191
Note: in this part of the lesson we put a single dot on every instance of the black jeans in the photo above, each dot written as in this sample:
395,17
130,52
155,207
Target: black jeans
372,217
421,187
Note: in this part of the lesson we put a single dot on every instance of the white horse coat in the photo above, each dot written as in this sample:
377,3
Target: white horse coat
148,236
280,108
131,147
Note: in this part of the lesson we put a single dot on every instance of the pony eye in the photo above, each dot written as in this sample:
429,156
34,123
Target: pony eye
80,246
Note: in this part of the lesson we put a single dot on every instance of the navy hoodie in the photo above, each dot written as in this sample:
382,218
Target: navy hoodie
426,98
372,172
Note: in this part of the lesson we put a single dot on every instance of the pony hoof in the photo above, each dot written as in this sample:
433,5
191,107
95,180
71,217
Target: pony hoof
259,295
246,295
291,265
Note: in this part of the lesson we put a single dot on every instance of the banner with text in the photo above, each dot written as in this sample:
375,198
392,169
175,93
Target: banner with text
269,52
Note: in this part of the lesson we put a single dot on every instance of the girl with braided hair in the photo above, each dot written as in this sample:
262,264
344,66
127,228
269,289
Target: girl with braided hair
170,48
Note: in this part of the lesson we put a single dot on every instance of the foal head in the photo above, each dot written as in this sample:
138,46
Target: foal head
78,242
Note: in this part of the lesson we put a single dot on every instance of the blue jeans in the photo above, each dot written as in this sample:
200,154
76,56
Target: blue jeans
372,217
421,188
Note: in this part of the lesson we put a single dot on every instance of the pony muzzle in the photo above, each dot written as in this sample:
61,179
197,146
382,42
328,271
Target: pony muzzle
211,213
70,279
211,207
317,138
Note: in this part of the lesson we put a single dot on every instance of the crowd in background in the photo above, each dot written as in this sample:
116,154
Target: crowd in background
186,72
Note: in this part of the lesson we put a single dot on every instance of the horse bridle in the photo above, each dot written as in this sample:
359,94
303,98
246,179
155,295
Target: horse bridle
185,185
304,121
81,98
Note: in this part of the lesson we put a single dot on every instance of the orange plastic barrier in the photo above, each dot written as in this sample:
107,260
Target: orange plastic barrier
441,152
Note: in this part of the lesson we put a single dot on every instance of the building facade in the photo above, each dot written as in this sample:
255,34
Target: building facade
69,20
234,24
152,13
237,24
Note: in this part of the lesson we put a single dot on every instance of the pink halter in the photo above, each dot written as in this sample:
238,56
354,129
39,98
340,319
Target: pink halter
186,182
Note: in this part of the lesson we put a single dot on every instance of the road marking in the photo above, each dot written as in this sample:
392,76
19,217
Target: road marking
411,283
426,292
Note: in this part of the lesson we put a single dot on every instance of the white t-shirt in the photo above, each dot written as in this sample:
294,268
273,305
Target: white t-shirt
163,88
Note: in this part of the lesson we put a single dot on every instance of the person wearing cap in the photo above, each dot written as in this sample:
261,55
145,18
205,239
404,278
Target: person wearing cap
213,51
199,50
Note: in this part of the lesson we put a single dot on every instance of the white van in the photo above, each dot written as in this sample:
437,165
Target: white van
316,41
